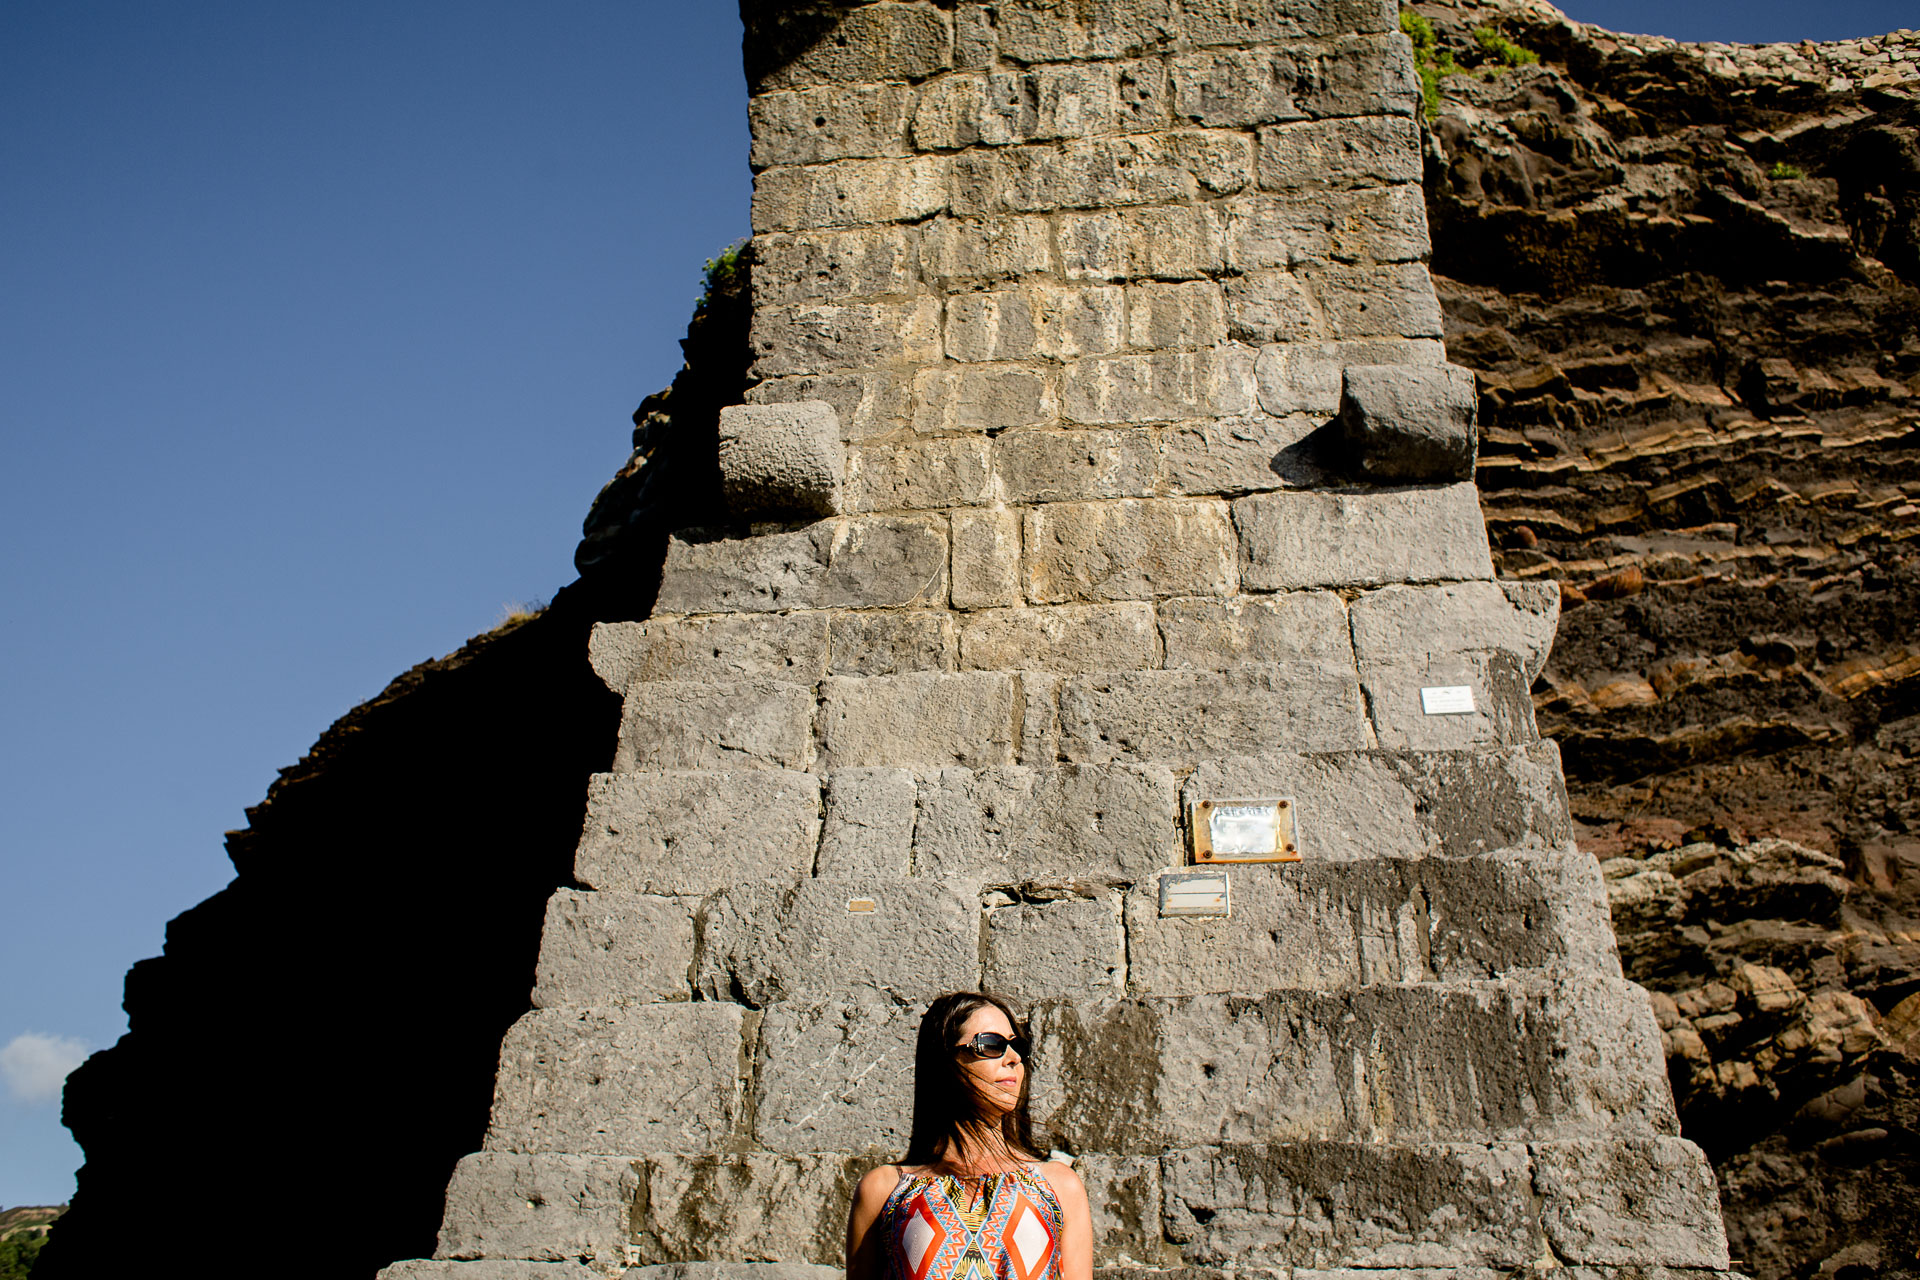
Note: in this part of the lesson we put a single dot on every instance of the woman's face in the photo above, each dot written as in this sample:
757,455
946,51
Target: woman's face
995,1081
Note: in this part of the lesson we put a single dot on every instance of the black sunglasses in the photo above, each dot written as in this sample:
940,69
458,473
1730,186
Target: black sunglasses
991,1044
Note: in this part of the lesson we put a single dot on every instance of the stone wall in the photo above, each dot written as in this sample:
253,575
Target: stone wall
1099,458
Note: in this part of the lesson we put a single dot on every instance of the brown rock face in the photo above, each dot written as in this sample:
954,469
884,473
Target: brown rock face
1686,278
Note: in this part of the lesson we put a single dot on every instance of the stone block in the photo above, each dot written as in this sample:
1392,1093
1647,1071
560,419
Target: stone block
1127,550
743,724
988,397
545,1208
828,337
899,939
887,642
1319,155
1037,31
1071,948
1244,454
1379,804
837,1076
871,43
809,126
1630,1202
1213,634
1294,540
1530,1057
1408,623
1410,423
1183,717
1356,75
1038,465
694,832
1371,224
1070,638
1124,1194
651,1077
927,719
735,1271
781,460
1038,697
1164,316
832,266
958,250
986,558
1162,386
614,948
1306,377
1098,824
488,1269
868,829
1363,1205
701,1210
1043,322
790,647
1099,173
1273,306
849,193
861,562
1502,704
1208,22
1331,926
1173,242
1385,300
952,471
871,403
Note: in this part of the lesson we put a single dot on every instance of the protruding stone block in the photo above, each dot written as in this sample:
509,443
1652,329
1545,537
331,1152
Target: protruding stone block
1364,1205
1630,1202
836,1076
925,720
1102,824
544,1208
1530,1057
1112,637
1332,926
871,402
869,824
694,832
1214,634
1410,423
1294,540
986,558
1183,717
1127,550
1074,947
744,724
610,1081
1403,711
1306,377
865,562
903,939
614,948
697,1211
790,647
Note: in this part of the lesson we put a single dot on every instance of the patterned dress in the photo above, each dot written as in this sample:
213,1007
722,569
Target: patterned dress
941,1228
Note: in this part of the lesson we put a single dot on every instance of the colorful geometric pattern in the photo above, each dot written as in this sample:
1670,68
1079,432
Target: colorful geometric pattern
942,1229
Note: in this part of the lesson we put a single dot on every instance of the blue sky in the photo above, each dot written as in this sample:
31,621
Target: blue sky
320,326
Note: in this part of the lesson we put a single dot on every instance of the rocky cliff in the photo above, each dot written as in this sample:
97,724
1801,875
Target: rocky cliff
1686,278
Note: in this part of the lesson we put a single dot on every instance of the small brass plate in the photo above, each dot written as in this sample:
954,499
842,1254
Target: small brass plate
862,906
1251,830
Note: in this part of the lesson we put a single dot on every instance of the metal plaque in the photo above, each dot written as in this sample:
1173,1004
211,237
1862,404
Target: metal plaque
1194,893
1254,830
862,906
1447,700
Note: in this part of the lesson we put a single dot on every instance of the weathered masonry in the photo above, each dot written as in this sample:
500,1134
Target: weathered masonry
1102,462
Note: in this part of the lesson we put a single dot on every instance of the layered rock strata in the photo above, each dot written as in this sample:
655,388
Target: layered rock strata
1049,526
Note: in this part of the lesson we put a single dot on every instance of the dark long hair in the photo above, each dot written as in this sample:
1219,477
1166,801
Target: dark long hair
944,1105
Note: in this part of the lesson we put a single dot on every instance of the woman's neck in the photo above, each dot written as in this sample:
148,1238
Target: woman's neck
978,1150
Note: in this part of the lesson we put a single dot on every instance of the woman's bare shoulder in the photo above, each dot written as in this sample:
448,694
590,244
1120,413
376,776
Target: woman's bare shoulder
1064,1181
879,1182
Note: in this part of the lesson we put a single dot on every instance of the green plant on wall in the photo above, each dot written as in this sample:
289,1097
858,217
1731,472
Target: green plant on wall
1435,62
17,1255
1498,46
720,271
1781,171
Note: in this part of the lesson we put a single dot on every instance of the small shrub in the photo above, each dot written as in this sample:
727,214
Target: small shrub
1784,172
17,1256
1498,46
1429,59
721,270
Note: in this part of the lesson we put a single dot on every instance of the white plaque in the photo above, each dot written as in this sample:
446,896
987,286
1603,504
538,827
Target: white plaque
1447,700
1257,829
1194,893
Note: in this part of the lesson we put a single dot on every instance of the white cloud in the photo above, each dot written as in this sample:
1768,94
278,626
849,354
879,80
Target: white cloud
36,1065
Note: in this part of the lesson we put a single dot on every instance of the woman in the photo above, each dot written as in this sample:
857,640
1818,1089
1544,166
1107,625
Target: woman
971,1199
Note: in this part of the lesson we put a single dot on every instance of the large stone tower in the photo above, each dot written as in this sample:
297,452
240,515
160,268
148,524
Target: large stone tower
1102,467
